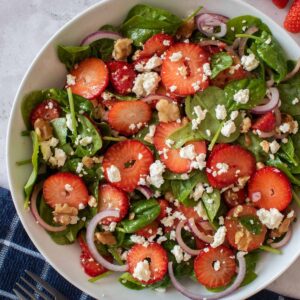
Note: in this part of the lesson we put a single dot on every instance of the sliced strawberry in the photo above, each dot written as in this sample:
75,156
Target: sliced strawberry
237,235
200,244
128,117
224,169
234,198
65,188
171,158
157,44
292,20
47,110
270,188
121,76
157,257
91,78
280,3
189,212
164,204
161,90
111,197
266,123
182,69
133,160
149,230
216,267
90,266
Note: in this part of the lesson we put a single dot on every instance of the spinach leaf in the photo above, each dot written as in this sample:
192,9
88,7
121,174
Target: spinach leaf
257,92
174,176
143,21
220,62
288,93
211,203
86,129
251,223
183,188
251,261
287,152
129,282
35,166
71,55
60,129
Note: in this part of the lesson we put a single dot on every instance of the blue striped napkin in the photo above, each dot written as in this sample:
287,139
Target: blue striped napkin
17,253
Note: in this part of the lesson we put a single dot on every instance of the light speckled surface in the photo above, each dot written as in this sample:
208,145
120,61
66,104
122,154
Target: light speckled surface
27,25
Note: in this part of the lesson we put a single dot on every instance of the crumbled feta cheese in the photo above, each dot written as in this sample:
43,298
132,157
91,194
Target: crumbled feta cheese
153,63
149,136
269,40
176,56
113,174
156,171
68,187
208,132
173,235
185,176
169,143
137,239
92,201
164,152
142,271
228,128
179,254
221,220
140,156
219,237
290,214
161,239
132,126
46,147
71,80
274,146
200,114
249,62
206,69
198,192
81,206
196,85
145,84
199,162
166,43
295,101
173,88
222,168
86,141
79,167
217,265
221,112
182,70
59,158
124,255
200,210
285,127
234,114
271,218
188,152
244,28
69,122
265,145
256,196
242,96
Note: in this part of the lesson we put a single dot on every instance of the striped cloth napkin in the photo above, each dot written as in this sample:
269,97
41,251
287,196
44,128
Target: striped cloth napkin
17,253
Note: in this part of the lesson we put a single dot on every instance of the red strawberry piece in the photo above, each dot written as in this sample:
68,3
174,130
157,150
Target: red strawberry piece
265,123
91,78
270,188
149,230
121,75
164,204
140,63
292,20
157,44
47,110
189,212
200,244
216,267
128,117
171,158
90,266
182,69
64,187
111,197
161,90
234,198
280,3
157,257
237,235
224,169
132,159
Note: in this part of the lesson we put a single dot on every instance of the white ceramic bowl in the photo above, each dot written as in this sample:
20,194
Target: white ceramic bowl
46,71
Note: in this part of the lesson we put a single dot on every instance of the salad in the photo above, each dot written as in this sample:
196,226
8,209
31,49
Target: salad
170,152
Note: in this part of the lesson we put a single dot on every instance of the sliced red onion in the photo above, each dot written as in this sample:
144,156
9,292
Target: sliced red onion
284,241
200,235
206,23
180,241
280,136
264,135
154,97
212,43
197,296
145,190
236,43
36,214
277,116
101,34
293,72
243,41
271,81
274,100
90,232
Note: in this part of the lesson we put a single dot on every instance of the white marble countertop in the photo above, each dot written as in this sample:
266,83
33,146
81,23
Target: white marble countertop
27,25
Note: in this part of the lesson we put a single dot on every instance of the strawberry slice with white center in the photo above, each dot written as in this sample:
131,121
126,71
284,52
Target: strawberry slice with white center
183,69
65,188
130,160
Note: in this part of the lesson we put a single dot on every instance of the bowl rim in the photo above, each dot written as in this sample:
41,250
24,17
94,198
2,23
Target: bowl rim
55,266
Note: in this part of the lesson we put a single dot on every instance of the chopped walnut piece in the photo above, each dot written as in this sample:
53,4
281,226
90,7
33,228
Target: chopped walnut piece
105,238
246,125
65,214
259,165
242,239
265,146
167,111
98,159
186,29
242,181
122,49
169,196
43,129
136,55
88,162
284,227
131,216
288,124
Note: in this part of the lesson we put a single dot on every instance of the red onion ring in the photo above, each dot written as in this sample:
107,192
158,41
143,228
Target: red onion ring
270,105
154,97
277,116
243,41
101,34
207,22
236,43
284,241
212,43
265,135
181,243
239,279
293,72
200,235
36,214
145,190
271,81
90,240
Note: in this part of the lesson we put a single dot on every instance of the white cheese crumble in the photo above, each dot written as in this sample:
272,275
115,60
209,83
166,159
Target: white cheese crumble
206,69
271,218
149,136
221,112
188,152
249,62
201,114
59,158
199,162
274,146
295,101
200,210
176,56
169,143
179,254
113,174
219,237
140,156
166,42
142,271
46,147
68,187
71,80
86,141
228,128
222,168
81,206
217,265
156,171
69,122
285,127
242,96
145,84
92,201
234,114
198,192
153,63
137,239
173,88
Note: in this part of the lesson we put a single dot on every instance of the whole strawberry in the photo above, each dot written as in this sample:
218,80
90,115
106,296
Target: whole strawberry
292,20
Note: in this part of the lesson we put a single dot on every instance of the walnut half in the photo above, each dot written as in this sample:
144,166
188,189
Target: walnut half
122,49
65,214
105,238
167,111
43,129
